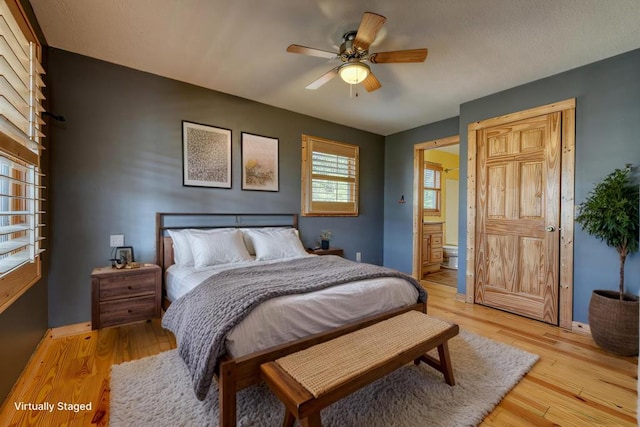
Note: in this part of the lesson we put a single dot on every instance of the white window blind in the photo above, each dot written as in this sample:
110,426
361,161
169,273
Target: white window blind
20,234
21,135
330,177
431,188
20,84
431,177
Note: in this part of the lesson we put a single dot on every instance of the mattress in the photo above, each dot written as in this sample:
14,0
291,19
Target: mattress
291,317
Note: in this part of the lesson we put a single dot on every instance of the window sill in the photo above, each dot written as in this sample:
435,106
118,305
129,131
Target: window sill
16,283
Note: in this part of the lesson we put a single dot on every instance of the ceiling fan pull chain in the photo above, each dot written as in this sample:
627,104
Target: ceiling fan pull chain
352,93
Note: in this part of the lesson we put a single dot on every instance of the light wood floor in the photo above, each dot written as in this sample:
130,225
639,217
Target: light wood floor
444,276
574,383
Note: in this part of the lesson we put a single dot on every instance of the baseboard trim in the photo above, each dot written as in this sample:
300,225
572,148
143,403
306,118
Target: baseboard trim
581,328
460,297
65,331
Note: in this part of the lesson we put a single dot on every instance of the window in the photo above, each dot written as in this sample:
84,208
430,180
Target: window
431,188
329,177
21,134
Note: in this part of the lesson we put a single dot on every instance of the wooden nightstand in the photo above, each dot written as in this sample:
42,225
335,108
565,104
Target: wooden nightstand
125,295
330,251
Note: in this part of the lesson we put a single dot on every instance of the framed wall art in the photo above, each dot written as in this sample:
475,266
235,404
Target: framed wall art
260,163
206,155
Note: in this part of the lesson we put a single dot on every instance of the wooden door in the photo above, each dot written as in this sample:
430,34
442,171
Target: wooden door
517,219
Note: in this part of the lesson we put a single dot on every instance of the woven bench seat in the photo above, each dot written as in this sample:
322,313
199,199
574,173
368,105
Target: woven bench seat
314,378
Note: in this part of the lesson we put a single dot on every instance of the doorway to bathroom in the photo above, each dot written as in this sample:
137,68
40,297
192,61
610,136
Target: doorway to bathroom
436,210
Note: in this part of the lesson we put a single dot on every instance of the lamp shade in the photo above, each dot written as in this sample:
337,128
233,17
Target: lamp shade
354,72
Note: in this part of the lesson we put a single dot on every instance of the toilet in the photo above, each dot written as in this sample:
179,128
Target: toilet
450,258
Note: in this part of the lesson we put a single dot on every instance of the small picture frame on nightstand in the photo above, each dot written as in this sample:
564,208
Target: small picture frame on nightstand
124,254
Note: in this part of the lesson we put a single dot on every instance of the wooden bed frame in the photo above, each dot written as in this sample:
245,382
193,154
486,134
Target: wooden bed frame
235,374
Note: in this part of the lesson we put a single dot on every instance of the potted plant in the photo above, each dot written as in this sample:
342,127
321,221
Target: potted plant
325,237
610,213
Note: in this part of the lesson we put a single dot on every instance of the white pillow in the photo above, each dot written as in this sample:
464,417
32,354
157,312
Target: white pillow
276,244
181,251
247,239
182,254
217,248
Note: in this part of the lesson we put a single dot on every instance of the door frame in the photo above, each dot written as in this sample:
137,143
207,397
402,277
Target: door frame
418,168
567,182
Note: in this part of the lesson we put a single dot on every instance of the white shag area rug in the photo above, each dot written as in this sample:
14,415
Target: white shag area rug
156,391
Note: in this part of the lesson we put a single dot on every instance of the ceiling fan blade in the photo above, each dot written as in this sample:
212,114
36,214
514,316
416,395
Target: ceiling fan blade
368,29
371,83
412,55
303,50
323,79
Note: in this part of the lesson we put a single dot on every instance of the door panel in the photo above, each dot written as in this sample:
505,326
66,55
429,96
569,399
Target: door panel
531,190
496,187
502,268
518,185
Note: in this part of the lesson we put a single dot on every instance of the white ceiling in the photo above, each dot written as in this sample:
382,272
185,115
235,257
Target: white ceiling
476,47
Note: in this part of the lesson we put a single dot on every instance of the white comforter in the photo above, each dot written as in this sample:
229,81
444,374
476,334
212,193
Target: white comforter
291,317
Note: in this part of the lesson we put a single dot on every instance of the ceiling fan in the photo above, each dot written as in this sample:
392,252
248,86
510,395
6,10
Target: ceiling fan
354,52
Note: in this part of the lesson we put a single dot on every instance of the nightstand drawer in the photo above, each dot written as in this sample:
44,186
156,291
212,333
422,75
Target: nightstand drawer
125,286
129,310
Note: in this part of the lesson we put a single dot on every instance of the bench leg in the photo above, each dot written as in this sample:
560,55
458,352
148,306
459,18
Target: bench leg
312,420
289,419
443,365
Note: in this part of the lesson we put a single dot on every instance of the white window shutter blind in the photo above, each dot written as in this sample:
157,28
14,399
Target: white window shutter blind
431,187
20,84
330,177
21,135
17,221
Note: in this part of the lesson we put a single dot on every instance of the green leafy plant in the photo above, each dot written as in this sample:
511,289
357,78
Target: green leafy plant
610,213
325,235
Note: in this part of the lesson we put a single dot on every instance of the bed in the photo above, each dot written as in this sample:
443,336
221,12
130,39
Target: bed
281,325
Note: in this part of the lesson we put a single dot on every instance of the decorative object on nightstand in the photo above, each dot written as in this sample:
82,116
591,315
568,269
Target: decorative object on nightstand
121,296
124,255
325,238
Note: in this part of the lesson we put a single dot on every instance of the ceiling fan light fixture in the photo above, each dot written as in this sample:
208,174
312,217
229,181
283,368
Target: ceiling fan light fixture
354,72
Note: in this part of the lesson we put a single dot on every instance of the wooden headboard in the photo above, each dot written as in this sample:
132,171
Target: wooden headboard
179,220
167,253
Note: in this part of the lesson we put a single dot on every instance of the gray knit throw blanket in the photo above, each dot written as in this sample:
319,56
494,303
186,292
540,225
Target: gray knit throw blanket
202,318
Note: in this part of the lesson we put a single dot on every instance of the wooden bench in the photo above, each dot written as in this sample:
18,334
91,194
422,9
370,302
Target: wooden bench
314,378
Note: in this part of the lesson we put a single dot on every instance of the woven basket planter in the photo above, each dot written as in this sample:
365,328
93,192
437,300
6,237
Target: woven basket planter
614,323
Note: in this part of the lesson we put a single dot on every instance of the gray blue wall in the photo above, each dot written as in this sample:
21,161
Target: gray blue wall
22,326
118,160
398,181
607,117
